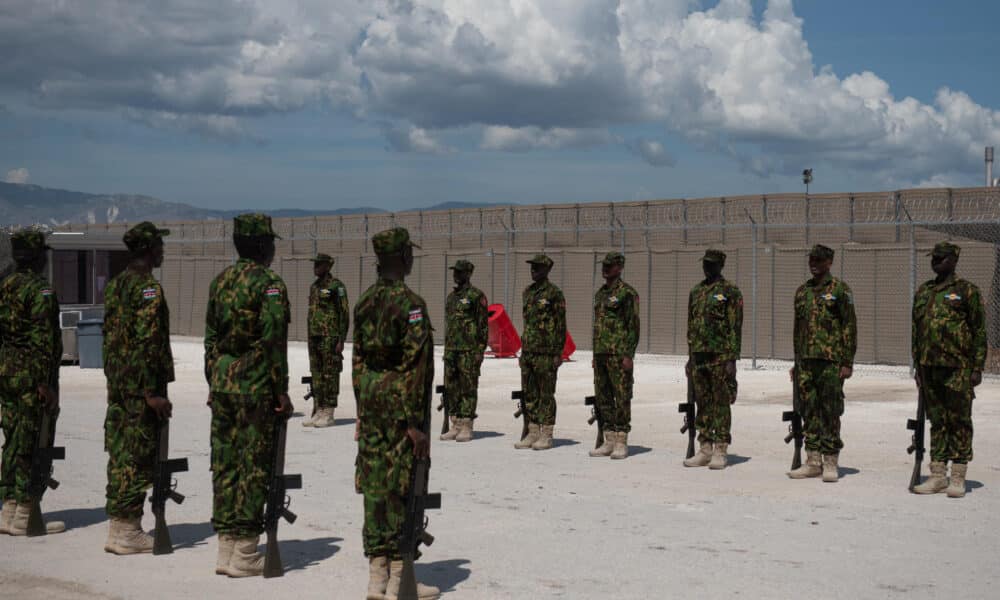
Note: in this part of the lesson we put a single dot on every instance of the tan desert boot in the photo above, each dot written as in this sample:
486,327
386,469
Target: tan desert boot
378,577
956,489
811,468
245,560
323,418
831,472
533,432
621,446
129,538
544,441
109,544
226,543
464,430
720,456
936,482
424,592
7,515
702,457
308,422
452,431
607,447
19,524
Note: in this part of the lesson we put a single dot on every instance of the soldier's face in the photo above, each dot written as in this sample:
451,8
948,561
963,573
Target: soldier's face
819,266
321,268
539,271
612,271
460,277
711,269
944,265
407,260
158,254
269,252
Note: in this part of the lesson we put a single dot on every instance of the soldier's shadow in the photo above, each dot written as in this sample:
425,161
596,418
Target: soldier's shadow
75,518
560,442
300,554
482,435
972,484
637,450
445,574
736,459
847,471
339,422
189,535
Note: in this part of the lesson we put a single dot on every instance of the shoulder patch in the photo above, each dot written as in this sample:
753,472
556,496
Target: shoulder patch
341,291
149,293
272,292
416,315
47,291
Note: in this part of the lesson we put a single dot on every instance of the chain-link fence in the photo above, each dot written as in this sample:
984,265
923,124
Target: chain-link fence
880,238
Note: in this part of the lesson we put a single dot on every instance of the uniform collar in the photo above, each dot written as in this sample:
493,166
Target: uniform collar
825,280
617,284
949,280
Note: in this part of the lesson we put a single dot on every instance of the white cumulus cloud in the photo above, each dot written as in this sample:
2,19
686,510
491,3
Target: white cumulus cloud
522,139
20,175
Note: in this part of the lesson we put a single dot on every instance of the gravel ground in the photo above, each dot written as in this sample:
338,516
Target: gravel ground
558,524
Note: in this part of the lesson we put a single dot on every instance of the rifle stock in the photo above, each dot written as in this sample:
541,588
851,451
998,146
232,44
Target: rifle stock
521,412
40,476
917,426
595,415
688,408
164,488
443,407
794,419
278,501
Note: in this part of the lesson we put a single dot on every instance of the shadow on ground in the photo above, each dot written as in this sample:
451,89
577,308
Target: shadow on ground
189,535
736,459
75,518
300,554
637,450
972,484
847,471
559,443
445,574
482,435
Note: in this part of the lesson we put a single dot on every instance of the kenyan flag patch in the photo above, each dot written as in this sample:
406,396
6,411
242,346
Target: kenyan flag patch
416,316
149,293
272,292
47,291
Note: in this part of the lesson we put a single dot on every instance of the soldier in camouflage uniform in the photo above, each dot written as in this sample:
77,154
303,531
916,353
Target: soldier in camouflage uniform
393,371
542,344
329,318
30,352
714,334
465,337
825,339
246,364
616,336
949,352
138,365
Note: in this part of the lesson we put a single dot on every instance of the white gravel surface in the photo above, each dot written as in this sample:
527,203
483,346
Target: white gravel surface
557,524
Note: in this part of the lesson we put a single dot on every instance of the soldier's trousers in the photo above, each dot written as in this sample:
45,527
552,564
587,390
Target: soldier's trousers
714,392
538,382
461,382
242,455
21,421
130,441
821,397
325,365
384,467
948,396
613,390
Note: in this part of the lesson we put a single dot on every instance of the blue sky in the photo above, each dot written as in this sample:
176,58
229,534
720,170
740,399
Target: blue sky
311,104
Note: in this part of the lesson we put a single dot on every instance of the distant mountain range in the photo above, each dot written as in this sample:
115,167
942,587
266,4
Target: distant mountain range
25,204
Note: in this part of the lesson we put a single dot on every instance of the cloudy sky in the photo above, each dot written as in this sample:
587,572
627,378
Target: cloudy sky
406,103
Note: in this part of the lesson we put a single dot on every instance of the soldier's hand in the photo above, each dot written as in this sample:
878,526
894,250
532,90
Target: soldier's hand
357,429
48,396
340,347
593,363
284,405
208,402
687,368
421,443
846,372
627,363
160,406
977,378
791,375
916,377
731,368
558,361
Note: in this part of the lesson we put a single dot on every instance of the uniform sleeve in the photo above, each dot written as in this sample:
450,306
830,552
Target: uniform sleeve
344,322
417,356
560,318
690,321
211,335
914,329
357,361
632,325
735,324
482,322
977,327
272,345
41,305
850,329
150,337
798,325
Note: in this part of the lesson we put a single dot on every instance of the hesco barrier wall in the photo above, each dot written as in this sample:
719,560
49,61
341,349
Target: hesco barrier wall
881,240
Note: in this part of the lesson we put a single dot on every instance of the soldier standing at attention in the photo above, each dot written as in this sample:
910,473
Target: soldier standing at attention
465,337
825,338
616,335
393,371
541,353
329,317
246,364
138,365
30,352
949,352
714,333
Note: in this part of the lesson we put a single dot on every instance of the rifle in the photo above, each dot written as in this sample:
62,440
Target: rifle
443,407
795,418
40,475
917,441
595,415
164,488
522,411
278,501
688,409
415,525
308,380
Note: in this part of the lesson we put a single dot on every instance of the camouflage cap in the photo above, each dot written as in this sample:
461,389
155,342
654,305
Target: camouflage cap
143,235
323,258
28,241
540,259
253,225
714,256
391,241
945,249
821,251
464,266
613,258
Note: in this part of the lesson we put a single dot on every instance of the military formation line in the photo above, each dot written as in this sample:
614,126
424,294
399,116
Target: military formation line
246,367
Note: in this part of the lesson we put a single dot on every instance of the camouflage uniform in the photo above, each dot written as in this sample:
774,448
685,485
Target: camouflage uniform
949,343
393,370
714,335
329,318
616,336
465,335
137,361
30,352
246,365
826,339
542,344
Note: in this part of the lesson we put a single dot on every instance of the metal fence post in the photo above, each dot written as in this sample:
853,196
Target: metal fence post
753,291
